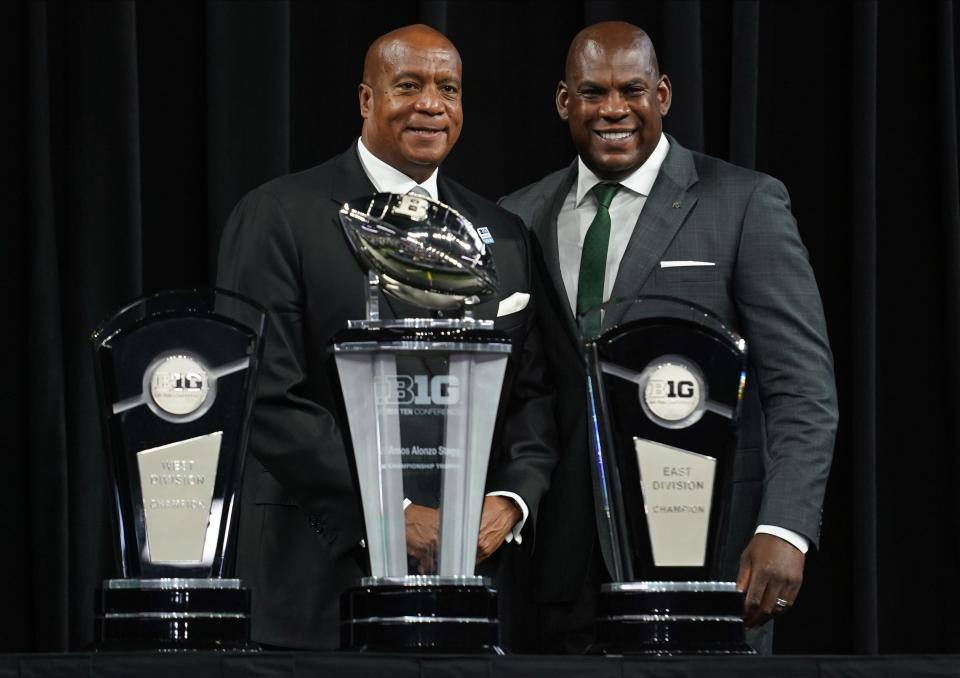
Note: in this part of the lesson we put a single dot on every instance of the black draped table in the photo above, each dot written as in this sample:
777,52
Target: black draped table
339,665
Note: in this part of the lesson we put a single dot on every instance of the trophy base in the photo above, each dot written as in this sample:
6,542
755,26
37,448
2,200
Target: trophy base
417,616
172,614
671,618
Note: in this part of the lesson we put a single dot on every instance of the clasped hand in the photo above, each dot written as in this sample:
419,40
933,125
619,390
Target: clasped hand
497,518
423,536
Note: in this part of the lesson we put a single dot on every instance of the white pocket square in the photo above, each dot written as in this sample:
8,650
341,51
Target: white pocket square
677,264
515,302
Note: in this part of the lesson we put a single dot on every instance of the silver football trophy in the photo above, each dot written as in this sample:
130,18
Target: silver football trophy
665,380
176,375
421,398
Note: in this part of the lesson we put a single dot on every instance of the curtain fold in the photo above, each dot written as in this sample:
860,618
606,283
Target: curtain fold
248,103
100,230
681,56
948,128
744,71
134,127
863,182
47,546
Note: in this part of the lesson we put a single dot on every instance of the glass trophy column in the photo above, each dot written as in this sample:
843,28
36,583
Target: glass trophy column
176,374
664,387
421,397
421,400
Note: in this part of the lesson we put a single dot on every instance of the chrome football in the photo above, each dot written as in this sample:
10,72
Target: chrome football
424,252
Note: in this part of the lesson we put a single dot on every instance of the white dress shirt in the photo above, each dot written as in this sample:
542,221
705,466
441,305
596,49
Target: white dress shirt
388,179
576,215
580,207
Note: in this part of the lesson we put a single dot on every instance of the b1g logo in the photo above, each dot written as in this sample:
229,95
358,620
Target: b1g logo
672,392
179,384
666,389
420,389
178,381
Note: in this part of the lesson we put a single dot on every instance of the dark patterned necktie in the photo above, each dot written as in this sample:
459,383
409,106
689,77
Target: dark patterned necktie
593,258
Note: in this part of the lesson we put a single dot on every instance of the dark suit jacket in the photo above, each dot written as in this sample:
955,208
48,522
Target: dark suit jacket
284,247
700,209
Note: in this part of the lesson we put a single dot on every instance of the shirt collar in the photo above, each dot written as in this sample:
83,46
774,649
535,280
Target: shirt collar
641,181
388,179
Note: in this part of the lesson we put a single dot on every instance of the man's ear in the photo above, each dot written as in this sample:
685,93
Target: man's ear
365,93
562,96
664,94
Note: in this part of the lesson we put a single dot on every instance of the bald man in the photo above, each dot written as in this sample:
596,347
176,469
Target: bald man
685,225
301,523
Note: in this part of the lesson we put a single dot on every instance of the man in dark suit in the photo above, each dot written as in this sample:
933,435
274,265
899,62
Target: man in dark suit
284,247
673,222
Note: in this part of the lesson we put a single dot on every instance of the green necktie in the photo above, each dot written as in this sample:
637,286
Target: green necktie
593,258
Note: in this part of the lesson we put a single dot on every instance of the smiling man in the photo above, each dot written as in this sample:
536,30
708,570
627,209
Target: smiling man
402,128
301,522
632,202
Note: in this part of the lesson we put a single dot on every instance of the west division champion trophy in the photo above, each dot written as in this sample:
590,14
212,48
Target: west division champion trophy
665,382
421,399
176,375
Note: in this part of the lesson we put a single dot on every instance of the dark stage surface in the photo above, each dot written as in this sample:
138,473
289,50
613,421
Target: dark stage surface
301,665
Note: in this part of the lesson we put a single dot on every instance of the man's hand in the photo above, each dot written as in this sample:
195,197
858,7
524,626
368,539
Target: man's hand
499,516
423,535
771,569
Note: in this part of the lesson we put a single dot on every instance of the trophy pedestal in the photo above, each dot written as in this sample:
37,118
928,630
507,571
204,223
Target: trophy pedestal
171,614
421,614
671,618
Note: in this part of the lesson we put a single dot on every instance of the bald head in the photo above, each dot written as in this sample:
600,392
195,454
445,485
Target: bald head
613,97
601,40
410,99
392,48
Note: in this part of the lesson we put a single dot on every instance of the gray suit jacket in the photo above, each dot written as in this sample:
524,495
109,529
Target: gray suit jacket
700,209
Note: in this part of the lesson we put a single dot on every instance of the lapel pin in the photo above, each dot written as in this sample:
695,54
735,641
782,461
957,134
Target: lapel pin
676,205
485,236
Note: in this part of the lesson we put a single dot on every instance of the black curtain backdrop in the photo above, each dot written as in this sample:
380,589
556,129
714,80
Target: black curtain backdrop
130,129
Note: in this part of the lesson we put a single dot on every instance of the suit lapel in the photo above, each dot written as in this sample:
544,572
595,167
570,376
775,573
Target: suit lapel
670,201
351,182
543,223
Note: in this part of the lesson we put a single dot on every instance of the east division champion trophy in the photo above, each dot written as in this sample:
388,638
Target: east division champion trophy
176,374
421,400
665,383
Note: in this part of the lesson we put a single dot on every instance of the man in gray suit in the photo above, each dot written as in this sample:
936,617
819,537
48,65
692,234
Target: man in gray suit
637,213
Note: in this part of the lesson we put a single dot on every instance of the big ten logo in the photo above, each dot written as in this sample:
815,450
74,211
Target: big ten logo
419,389
180,384
178,381
672,392
670,388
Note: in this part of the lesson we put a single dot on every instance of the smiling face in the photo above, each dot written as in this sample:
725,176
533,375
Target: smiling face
613,98
410,100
